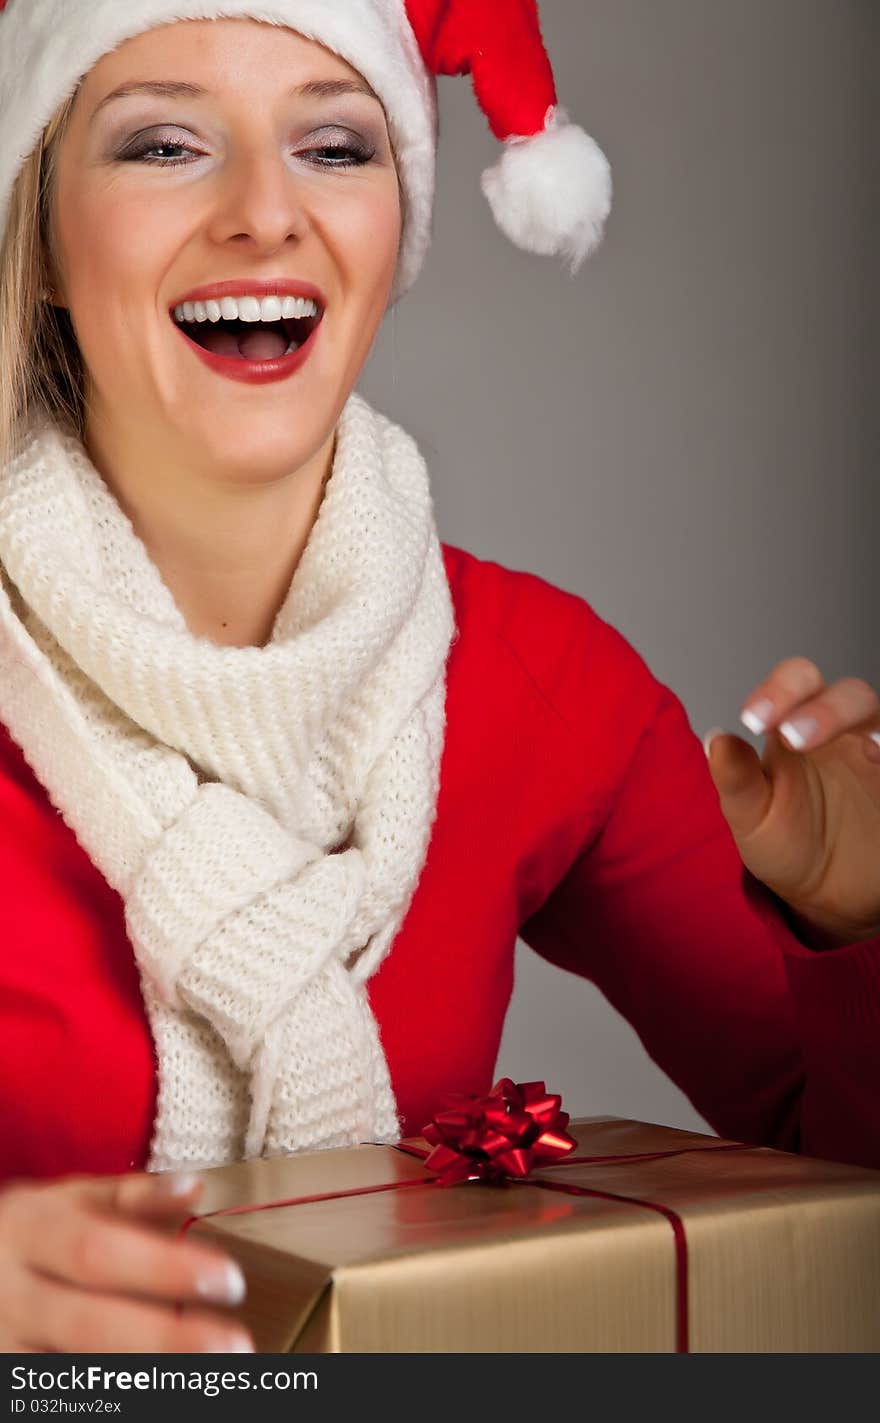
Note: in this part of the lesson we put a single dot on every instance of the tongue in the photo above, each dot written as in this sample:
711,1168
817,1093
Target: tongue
262,345
257,345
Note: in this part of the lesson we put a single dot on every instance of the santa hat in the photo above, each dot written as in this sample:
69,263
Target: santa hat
550,191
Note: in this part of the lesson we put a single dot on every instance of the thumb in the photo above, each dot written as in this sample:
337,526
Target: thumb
743,788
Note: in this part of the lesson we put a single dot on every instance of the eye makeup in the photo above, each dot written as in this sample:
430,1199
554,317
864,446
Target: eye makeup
339,147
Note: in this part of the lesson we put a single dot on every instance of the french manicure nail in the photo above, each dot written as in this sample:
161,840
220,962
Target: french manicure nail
710,737
799,732
757,716
238,1344
222,1283
178,1183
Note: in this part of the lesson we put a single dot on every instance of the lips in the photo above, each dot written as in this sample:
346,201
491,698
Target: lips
259,372
239,349
266,286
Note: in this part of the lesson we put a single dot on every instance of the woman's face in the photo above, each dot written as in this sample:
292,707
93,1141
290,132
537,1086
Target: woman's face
264,158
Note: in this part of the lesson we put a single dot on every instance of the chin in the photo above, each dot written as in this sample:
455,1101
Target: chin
267,450
258,455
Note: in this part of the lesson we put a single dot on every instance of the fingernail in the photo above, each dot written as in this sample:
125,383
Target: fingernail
222,1283
710,737
756,717
238,1344
178,1183
799,732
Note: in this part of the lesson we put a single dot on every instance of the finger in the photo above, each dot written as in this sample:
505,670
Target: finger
95,1250
72,1320
743,788
152,1193
846,706
12,1344
163,1197
790,683
872,746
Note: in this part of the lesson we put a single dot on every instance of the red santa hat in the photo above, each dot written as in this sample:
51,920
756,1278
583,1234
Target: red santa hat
550,191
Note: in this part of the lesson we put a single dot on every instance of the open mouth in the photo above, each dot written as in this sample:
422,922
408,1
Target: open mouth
250,340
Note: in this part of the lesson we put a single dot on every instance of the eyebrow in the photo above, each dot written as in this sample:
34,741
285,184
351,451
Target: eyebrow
179,89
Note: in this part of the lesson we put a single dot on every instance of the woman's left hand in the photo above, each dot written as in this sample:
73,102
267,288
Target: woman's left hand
806,814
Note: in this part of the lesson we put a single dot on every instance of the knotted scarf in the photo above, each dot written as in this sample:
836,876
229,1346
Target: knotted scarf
263,812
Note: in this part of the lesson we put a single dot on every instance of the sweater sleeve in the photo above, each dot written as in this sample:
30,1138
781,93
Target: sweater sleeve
773,1042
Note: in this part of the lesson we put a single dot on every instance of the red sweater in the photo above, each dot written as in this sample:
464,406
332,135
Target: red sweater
575,809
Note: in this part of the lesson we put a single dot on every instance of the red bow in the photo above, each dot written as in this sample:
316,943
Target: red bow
517,1127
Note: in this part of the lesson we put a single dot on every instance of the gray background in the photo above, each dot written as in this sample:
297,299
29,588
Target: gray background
682,435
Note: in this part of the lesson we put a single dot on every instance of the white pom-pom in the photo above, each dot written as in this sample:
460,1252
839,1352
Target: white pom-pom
551,193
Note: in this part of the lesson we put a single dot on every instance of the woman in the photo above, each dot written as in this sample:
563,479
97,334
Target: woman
257,721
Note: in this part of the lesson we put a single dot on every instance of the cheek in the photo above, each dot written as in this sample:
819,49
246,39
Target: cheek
367,241
112,247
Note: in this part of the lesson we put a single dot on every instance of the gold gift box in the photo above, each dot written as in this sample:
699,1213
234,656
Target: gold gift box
783,1251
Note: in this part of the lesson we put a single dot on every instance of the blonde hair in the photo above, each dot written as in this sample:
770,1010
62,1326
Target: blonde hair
41,368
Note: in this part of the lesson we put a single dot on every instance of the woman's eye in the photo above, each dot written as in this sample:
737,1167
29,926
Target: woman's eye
146,153
340,155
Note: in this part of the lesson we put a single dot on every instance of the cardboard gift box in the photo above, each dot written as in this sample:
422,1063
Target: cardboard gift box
678,1242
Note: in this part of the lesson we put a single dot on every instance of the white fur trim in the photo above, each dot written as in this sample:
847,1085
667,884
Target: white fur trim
551,193
47,46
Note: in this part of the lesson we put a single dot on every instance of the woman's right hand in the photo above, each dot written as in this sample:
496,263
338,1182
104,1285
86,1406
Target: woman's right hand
90,1265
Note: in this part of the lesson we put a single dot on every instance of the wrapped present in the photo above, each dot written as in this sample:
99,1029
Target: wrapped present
601,1234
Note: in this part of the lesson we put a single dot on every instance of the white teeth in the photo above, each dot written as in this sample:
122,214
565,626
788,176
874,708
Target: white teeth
247,308
298,306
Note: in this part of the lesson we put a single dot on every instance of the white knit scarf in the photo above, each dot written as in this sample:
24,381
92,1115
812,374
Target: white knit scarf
264,813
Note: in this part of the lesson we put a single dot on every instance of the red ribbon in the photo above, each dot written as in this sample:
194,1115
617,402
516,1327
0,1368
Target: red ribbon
500,1137
490,1139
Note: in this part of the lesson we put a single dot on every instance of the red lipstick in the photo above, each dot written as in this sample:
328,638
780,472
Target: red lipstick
238,368
254,372
266,286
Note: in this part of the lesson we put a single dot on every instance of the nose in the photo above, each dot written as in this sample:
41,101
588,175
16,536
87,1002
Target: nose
261,203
